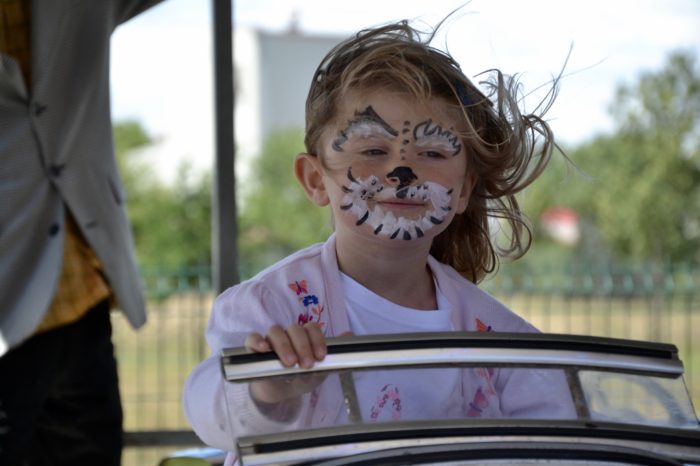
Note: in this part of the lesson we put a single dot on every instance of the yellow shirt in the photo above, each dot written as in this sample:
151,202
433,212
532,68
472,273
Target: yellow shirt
81,284
14,32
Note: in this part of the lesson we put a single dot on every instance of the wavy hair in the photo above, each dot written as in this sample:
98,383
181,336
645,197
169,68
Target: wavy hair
506,148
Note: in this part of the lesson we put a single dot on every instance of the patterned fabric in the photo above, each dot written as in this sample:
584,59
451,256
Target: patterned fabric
15,32
485,390
81,284
312,309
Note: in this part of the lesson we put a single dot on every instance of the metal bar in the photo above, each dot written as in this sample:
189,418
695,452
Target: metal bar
577,394
224,227
496,357
152,438
510,450
350,396
359,343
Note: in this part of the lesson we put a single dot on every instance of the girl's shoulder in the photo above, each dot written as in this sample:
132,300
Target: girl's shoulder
297,284
477,310
301,263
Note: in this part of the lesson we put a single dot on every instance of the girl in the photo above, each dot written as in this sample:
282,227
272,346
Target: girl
413,161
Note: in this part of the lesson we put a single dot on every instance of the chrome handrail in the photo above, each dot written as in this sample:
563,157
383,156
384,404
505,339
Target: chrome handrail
466,349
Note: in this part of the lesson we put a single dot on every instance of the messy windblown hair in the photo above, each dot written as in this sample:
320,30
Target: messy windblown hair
506,149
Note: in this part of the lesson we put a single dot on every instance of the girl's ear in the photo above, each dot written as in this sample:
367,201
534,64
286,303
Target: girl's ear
308,171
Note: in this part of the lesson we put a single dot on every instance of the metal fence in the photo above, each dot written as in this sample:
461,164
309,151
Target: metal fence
641,302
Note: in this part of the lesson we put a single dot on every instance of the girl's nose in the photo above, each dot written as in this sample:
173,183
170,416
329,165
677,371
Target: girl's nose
401,178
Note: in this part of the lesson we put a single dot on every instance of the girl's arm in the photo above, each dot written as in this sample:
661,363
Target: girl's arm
208,400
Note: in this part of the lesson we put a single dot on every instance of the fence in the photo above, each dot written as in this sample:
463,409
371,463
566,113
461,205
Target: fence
637,302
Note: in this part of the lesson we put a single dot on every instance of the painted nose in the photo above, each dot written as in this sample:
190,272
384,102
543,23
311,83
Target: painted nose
401,178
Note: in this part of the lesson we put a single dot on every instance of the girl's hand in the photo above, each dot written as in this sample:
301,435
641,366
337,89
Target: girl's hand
303,345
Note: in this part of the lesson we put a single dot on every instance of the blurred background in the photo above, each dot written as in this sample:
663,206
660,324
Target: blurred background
616,248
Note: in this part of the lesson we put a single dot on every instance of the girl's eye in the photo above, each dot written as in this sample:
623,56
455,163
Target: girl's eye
373,152
433,154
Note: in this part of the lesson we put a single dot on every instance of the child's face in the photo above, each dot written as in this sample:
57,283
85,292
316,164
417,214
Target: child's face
395,169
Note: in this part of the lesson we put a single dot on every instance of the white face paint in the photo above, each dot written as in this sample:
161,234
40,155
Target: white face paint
431,135
363,130
367,124
363,198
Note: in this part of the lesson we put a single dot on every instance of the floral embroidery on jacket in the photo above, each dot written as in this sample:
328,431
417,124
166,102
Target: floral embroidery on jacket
313,309
478,404
482,327
485,391
388,393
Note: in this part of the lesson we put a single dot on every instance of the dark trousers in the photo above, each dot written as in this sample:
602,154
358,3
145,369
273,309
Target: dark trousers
59,397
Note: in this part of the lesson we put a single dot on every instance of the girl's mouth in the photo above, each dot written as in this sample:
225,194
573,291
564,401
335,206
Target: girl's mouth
407,216
400,203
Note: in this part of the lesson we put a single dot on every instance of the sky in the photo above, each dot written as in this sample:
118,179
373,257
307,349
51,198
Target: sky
162,66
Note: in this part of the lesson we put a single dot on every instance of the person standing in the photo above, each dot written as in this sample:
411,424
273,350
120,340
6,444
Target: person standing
66,250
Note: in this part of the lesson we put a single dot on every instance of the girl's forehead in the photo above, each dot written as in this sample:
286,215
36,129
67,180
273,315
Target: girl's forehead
394,108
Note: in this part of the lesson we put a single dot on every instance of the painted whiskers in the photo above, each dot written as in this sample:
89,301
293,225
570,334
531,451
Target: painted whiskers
360,194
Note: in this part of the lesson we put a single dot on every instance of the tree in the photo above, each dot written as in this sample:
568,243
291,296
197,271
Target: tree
643,194
171,224
276,217
130,136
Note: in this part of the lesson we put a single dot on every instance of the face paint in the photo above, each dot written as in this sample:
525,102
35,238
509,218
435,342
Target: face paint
402,178
363,198
429,134
405,141
366,124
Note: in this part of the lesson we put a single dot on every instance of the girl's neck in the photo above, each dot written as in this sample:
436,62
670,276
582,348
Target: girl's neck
393,271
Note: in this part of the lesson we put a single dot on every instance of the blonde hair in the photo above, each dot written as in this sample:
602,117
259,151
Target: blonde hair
506,150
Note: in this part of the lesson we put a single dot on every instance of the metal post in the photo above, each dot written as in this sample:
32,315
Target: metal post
224,229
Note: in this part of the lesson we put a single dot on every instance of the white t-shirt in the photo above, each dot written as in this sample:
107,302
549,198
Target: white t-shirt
401,394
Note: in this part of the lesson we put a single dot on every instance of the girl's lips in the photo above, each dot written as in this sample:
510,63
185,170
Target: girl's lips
400,203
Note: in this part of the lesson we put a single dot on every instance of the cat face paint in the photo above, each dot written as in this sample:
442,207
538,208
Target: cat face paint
366,124
431,135
364,198
426,134
398,167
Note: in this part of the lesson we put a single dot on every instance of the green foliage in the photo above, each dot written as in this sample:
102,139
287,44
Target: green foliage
171,224
641,197
276,217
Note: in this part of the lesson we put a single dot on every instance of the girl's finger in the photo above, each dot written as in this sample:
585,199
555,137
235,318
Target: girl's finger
280,342
256,342
317,339
302,345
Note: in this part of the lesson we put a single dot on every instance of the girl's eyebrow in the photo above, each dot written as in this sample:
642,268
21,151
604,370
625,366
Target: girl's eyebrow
366,122
427,132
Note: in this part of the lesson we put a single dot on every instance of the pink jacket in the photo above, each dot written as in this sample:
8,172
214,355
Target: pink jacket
306,287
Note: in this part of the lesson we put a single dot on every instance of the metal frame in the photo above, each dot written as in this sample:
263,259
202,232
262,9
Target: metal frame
466,349
224,224
356,353
308,446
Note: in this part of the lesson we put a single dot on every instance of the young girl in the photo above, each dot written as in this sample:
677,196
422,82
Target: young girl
415,162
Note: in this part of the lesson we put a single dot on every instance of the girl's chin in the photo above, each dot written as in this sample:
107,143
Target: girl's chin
397,235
